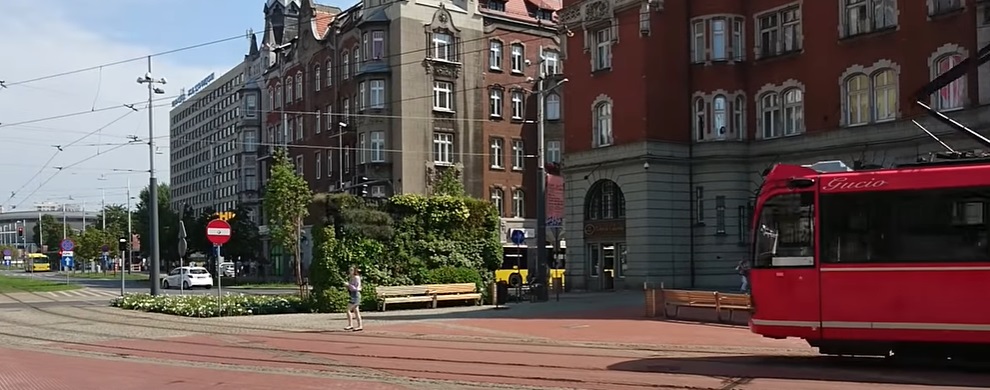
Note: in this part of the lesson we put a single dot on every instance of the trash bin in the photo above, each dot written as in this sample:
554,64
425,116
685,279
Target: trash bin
501,292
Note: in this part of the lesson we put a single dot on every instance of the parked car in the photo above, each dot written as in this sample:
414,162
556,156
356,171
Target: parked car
188,277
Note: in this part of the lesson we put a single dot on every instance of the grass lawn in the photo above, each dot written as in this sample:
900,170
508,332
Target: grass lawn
104,276
13,284
258,285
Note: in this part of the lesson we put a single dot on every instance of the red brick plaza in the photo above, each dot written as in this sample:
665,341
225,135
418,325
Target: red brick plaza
426,349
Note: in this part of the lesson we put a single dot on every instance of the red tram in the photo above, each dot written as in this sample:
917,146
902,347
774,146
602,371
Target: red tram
882,261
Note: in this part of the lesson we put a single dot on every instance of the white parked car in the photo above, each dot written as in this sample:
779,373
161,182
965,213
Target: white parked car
188,277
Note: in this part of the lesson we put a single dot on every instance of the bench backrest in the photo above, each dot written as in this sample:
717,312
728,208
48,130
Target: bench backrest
401,291
734,299
689,296
453,288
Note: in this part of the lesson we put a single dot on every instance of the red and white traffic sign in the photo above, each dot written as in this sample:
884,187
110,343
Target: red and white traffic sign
218,231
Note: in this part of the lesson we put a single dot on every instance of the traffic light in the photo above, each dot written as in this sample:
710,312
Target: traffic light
362,186
20,232
122,244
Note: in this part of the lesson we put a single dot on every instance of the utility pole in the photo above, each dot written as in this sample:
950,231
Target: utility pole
65,225
542,265
41,232
103,207
153,247
130,237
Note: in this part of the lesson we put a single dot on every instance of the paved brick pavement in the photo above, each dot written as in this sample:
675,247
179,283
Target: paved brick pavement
83,294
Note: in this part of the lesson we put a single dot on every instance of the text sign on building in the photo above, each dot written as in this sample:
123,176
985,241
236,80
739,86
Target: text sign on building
186,93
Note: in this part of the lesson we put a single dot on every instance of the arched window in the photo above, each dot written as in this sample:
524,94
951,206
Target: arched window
951,96
605,201
278,95
719,116
497,200
884,95
603,124
771,119
271,97
518,204
553,107
739,117
317,78
299,85
699,119
345,69
793,111
329,72
288,90
857,100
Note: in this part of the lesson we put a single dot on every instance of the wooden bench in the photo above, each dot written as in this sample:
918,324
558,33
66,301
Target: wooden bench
704,299
431,293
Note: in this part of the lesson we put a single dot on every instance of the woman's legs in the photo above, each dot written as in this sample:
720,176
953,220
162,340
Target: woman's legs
357,313
350,317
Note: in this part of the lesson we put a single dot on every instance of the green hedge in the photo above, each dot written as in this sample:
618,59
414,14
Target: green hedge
206,305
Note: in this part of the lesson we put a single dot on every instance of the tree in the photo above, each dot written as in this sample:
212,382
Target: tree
447,181
245,240
116,219
286,202
51,230
168,224
89,243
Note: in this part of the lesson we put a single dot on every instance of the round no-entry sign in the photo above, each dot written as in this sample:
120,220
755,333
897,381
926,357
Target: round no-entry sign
218,232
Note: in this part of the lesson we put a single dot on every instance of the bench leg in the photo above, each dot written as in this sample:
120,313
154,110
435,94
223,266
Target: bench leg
434,301
383,306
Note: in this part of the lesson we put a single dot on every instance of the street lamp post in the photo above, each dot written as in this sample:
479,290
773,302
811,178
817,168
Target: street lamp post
153,246
542,265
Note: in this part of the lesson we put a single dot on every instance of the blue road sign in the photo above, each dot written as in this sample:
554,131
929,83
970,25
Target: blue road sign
6,252
6,262
67,262
518,236
67,245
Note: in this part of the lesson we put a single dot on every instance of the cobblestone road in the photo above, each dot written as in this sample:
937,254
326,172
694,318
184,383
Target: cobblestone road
573,344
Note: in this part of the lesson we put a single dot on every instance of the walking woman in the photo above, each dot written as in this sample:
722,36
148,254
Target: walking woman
354,306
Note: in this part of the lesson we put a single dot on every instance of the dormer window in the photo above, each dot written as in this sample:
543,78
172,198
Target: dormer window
544,14
496,5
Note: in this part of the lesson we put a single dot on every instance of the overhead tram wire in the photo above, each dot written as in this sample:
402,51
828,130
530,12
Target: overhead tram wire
241,36
66,167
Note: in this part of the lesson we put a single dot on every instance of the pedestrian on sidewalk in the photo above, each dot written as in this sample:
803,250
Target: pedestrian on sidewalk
743,269
354,306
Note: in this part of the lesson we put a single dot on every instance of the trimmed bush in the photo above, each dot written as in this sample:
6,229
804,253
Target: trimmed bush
206,305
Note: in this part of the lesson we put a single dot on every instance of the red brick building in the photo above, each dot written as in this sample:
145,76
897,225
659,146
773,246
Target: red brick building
675,107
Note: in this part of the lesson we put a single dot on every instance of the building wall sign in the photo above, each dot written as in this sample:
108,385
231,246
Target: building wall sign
615,228
187,93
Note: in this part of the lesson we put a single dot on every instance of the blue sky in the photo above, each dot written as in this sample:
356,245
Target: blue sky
59,36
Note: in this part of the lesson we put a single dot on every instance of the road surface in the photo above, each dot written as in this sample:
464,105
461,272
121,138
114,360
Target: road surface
586,341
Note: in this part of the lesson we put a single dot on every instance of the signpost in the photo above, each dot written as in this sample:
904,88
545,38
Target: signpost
67,246
218,232
122,246
518,237
183,248
7,258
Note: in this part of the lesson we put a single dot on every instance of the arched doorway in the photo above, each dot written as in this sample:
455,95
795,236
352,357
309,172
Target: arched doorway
605,234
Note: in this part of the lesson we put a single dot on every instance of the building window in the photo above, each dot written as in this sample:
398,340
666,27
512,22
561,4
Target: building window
518,154
779,32
699,118
377,146
771,119
951,96
377,94
345,114
497,200
793,111
329,72
362,150
719,49
603,124
377,44
271,97
278,95
329,117
866,16
299,165
317,78
884,95
518,59
443,96
551,63
443,148
319,121
517,105
603,49
443,46
362,100
250,105
944,6
518,203
319,164
739,116
345,67
288,90
553,151
299,85
720,215
496,153
495,103
330,163
738,45
495,55
357,60
719,116
857,100
347,159
553,107
698,48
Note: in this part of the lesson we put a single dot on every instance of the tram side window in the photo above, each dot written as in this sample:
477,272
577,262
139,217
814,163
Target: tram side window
906,226
785,234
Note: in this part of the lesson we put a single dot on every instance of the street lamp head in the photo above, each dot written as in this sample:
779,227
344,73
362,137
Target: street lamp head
163,81
159,91
342,124
563,80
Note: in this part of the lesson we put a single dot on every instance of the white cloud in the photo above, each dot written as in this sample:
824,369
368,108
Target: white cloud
41,41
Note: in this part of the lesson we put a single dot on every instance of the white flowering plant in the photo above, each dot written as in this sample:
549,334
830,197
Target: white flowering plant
207,305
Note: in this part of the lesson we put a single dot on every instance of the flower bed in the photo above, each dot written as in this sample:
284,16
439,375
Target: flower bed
206,305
